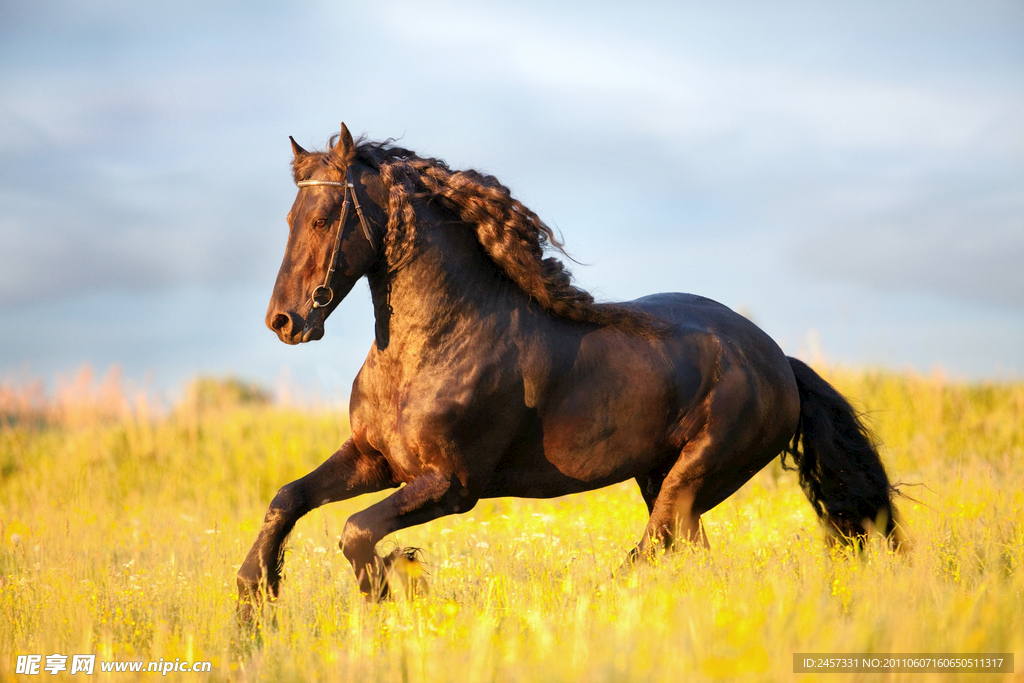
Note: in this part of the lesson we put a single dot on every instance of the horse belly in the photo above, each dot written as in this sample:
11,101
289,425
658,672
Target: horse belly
557,457
597,427
603,440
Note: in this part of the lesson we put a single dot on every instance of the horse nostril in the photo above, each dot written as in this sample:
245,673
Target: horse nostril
280,322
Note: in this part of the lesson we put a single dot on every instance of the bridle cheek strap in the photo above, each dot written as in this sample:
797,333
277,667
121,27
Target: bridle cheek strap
323,295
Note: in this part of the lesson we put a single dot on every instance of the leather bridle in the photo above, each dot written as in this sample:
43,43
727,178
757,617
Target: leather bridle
323,294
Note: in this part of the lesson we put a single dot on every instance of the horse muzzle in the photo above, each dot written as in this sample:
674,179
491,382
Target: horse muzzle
292,329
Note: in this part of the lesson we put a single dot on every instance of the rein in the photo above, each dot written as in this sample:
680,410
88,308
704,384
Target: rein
323,295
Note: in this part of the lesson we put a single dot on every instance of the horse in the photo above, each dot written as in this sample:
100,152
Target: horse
492,375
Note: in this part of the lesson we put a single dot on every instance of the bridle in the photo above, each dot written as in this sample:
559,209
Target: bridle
323,295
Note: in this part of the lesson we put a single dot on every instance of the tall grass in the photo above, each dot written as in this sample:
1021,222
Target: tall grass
122,530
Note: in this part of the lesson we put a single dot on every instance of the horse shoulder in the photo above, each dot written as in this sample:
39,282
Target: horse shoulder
449,404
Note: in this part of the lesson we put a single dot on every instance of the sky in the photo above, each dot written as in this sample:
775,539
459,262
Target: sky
849,175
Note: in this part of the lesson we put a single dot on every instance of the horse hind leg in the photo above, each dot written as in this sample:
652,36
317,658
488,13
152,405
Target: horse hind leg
746,420
710,467
650,483
674,522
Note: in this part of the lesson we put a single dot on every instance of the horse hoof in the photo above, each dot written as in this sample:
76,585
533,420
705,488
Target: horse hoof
252,596
406,573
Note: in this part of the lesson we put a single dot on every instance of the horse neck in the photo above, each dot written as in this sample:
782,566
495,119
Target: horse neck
447,287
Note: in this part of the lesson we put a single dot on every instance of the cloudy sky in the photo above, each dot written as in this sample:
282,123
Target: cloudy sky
850,175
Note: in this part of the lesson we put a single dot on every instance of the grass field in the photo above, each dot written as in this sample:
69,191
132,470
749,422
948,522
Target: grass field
122,531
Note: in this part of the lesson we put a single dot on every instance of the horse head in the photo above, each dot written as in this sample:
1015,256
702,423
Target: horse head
331,242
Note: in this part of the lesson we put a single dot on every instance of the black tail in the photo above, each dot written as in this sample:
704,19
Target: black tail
840,470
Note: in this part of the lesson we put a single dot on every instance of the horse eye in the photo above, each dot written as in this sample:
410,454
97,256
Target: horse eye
319,223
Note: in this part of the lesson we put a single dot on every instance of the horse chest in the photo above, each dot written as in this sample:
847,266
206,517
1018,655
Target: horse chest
433,418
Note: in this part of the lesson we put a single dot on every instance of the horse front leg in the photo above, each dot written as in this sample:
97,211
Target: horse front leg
429,496
346,474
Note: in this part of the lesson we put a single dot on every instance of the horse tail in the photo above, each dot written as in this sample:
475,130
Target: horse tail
840,469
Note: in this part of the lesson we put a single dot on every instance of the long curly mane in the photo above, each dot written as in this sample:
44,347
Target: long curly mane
512,235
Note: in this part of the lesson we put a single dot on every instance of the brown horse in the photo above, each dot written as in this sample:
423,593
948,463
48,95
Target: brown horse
492,375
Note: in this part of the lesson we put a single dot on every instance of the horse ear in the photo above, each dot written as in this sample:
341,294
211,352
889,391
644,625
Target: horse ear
345,146
296,149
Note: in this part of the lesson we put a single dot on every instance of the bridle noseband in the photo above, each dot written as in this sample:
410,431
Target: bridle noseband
323,295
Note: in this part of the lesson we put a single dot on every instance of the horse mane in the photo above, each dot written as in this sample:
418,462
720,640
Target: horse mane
512,235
